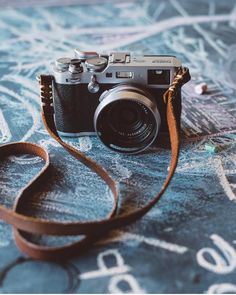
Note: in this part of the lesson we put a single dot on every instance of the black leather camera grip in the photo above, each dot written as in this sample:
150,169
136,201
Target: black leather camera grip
93,230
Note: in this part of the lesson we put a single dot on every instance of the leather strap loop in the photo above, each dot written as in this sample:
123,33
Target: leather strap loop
93,229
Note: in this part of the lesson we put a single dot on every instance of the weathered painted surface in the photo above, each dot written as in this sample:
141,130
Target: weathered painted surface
187,243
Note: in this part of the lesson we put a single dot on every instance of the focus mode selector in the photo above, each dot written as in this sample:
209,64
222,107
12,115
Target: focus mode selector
93,86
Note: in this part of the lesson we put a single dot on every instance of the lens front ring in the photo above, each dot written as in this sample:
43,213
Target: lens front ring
142,102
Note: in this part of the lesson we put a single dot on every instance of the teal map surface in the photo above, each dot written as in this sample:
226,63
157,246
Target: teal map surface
187,243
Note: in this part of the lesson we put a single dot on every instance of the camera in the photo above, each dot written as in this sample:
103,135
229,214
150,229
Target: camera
116,96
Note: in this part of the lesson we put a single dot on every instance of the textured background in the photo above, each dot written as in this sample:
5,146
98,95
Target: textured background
187,243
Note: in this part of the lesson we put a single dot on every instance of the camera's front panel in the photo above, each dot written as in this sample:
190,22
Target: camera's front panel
75,108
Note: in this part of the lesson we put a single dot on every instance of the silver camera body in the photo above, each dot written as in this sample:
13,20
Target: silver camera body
116,68
117,96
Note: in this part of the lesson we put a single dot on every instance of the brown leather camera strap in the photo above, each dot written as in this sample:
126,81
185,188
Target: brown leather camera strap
88,231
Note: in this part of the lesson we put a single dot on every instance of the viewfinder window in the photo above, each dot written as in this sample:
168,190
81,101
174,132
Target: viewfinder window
158,77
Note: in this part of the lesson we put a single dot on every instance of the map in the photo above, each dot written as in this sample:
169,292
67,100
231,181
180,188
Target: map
187,242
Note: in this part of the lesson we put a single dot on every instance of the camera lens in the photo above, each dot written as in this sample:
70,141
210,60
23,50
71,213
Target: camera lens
127,119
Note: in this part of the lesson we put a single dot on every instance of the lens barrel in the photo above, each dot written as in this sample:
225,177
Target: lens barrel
127,119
